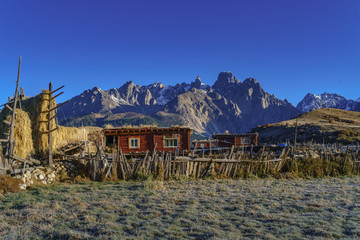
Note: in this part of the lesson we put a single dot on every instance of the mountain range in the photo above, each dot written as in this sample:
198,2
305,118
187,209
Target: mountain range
229,104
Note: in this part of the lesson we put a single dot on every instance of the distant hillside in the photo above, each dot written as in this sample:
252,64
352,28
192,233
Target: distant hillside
327,124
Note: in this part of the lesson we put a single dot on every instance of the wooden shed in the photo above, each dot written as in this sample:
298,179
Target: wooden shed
140,139
242,139
204,143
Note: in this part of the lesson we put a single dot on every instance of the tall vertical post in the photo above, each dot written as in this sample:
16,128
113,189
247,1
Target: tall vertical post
210,152
50,126
10,147
296,125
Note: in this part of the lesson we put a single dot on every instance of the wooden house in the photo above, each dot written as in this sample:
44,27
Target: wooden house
140,139
228,140
204,143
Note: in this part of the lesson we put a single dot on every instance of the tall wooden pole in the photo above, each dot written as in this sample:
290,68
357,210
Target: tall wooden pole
11,136
50,126
296,125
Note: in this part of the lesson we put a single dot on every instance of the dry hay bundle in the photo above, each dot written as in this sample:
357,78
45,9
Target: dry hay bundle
37,108
66,135
22,132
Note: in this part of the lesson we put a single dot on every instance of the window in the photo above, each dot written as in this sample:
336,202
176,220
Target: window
245,140
110,140
134,142
171,142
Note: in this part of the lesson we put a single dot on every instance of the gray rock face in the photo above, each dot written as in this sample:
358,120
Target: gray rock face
327,100
258,107
210,113
228,105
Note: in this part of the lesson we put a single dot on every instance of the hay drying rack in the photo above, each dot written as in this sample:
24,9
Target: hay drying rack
7,164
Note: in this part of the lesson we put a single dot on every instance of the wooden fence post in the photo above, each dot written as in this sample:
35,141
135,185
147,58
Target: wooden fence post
50,127
10,148
50,117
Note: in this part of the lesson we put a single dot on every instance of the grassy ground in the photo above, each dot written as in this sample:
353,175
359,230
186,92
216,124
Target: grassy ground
220,209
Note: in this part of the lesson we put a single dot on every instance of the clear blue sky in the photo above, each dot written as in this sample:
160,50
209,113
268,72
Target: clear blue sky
290,47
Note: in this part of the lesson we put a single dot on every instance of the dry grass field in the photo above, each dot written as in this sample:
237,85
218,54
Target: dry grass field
191,209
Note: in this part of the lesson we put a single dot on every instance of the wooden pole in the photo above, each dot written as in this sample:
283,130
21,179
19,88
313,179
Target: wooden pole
50,126
11,136
296,124
210,152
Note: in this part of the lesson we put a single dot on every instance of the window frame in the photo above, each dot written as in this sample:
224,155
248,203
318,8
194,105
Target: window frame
245,140
169,139
138,142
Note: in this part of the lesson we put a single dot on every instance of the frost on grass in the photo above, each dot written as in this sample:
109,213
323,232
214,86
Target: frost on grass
220,209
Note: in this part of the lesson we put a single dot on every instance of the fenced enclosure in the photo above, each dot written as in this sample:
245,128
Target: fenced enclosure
235,162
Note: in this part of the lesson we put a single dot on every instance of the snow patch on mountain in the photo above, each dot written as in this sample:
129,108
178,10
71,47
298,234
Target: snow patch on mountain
119,101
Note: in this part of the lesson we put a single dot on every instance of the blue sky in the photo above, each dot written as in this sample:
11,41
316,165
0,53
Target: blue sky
290,47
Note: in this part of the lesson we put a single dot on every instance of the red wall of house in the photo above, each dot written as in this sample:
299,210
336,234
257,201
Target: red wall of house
148,140
183,139
145,143
236,141
226,141
204,144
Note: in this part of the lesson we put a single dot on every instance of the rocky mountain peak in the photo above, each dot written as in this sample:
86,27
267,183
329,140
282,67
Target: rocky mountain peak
157,85
224,79
251,81
197,83
95,90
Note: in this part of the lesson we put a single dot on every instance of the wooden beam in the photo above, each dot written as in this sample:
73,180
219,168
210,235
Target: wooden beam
56,96
11,144
52,109
45,121
7,103
57,89
10,108
7,122
47,132
13,156
50,130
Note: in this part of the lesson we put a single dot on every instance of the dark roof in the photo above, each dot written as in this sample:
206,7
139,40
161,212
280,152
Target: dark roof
145,129
204,141
234,135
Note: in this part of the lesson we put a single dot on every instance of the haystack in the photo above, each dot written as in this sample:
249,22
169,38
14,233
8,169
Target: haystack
24,146
37,108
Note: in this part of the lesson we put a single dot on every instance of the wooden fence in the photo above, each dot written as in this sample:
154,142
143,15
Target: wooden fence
231,163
